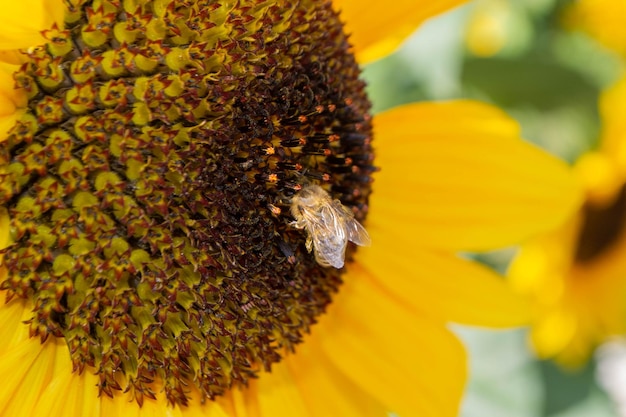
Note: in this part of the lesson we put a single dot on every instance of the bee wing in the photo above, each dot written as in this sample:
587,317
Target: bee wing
329,258
329,237
354,231
357,233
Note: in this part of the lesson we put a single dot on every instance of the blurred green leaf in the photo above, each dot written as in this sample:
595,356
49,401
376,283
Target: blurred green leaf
529,81
583,54
556,105
565,389
594,405
503,375
389,85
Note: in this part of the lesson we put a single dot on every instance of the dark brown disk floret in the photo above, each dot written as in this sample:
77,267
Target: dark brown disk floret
147,185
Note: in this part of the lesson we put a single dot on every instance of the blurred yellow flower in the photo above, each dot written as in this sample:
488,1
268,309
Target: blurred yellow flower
489,27
500,27
150,147
576,274
602,19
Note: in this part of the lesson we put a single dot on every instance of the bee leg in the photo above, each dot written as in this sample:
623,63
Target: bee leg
297,224
309,243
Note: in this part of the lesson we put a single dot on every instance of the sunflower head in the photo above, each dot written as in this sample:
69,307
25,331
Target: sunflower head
148,179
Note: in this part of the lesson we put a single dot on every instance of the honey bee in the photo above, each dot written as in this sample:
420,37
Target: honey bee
329,224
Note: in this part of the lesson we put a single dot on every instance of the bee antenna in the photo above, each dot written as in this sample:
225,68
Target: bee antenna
303,179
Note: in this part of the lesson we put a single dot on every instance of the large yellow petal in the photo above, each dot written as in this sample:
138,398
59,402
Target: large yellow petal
456,175
23,21
24,377
413,365
67,393
279,395
326,390
465,292
378,29
244,402
12,318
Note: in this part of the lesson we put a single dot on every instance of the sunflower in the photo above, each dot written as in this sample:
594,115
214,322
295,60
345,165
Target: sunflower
575,275
150,264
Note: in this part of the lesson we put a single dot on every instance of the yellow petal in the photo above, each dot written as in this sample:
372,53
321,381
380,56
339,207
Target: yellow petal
14,57
24,378
121,405
12,100
553,333
278,394
10,97
325,389
244,402
413,365
605,20
377,30
67,393
6,123
12,318
4,232
23,21
456,175
465,292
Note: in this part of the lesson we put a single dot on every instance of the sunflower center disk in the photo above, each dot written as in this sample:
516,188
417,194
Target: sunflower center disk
148,185
602,227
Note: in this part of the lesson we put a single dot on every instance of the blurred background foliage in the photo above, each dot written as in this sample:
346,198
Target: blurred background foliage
523,56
